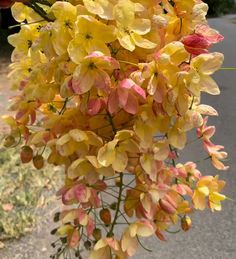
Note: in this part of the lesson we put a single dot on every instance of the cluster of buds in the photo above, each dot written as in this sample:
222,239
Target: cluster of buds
111,90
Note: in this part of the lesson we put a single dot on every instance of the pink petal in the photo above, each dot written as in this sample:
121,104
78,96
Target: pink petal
132,104
113,103
83,83
80,192
211,35
90,227
196,44
139,91
94,199
68,196
94,106
102,80
122,96
127,83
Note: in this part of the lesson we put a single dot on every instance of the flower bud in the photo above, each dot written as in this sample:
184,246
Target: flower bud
118,182
113,206
186,223
38,162
56,217
87,245
9,141
105,216
167,206
97,234
26,154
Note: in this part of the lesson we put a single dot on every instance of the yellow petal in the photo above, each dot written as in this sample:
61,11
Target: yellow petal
78,135
142,42
161,150
199,200
141,26
129,244
64,230
177,139
126,41
124,12
208,85
207,64
149,165
120,162
107,153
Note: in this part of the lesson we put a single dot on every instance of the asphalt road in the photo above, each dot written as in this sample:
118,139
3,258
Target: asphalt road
213,235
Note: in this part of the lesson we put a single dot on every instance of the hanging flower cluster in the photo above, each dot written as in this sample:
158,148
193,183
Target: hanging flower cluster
112,88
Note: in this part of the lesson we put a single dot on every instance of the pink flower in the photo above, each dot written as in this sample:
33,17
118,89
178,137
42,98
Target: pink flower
196,44
216,154
126,96
201,40
93,71
205,132
210,34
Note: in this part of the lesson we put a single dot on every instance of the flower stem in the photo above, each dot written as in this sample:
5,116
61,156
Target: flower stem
111,122
39,10
110,233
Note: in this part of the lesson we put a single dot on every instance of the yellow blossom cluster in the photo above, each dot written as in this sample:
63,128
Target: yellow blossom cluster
111,88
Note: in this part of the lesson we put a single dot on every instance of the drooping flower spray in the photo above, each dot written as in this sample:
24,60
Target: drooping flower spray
112,89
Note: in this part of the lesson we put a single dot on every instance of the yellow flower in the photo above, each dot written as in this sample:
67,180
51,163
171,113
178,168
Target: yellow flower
66,15
104,248
115,152
208,187
92,71
91,35
23,41
103,8
131,29
129,242
21,12
202,67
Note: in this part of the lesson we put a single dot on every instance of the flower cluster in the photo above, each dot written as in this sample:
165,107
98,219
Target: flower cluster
112,88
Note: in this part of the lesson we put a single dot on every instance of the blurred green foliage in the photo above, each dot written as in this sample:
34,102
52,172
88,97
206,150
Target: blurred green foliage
219,7
23,192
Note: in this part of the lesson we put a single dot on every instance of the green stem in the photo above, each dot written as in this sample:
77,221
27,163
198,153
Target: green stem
64,107
228,68
173,161
44,2
39,10
23,24
145,248
111,122
110,233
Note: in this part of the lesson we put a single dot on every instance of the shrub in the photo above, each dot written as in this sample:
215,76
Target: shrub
219,7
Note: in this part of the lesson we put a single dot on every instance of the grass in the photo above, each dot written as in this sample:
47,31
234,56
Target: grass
23,191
